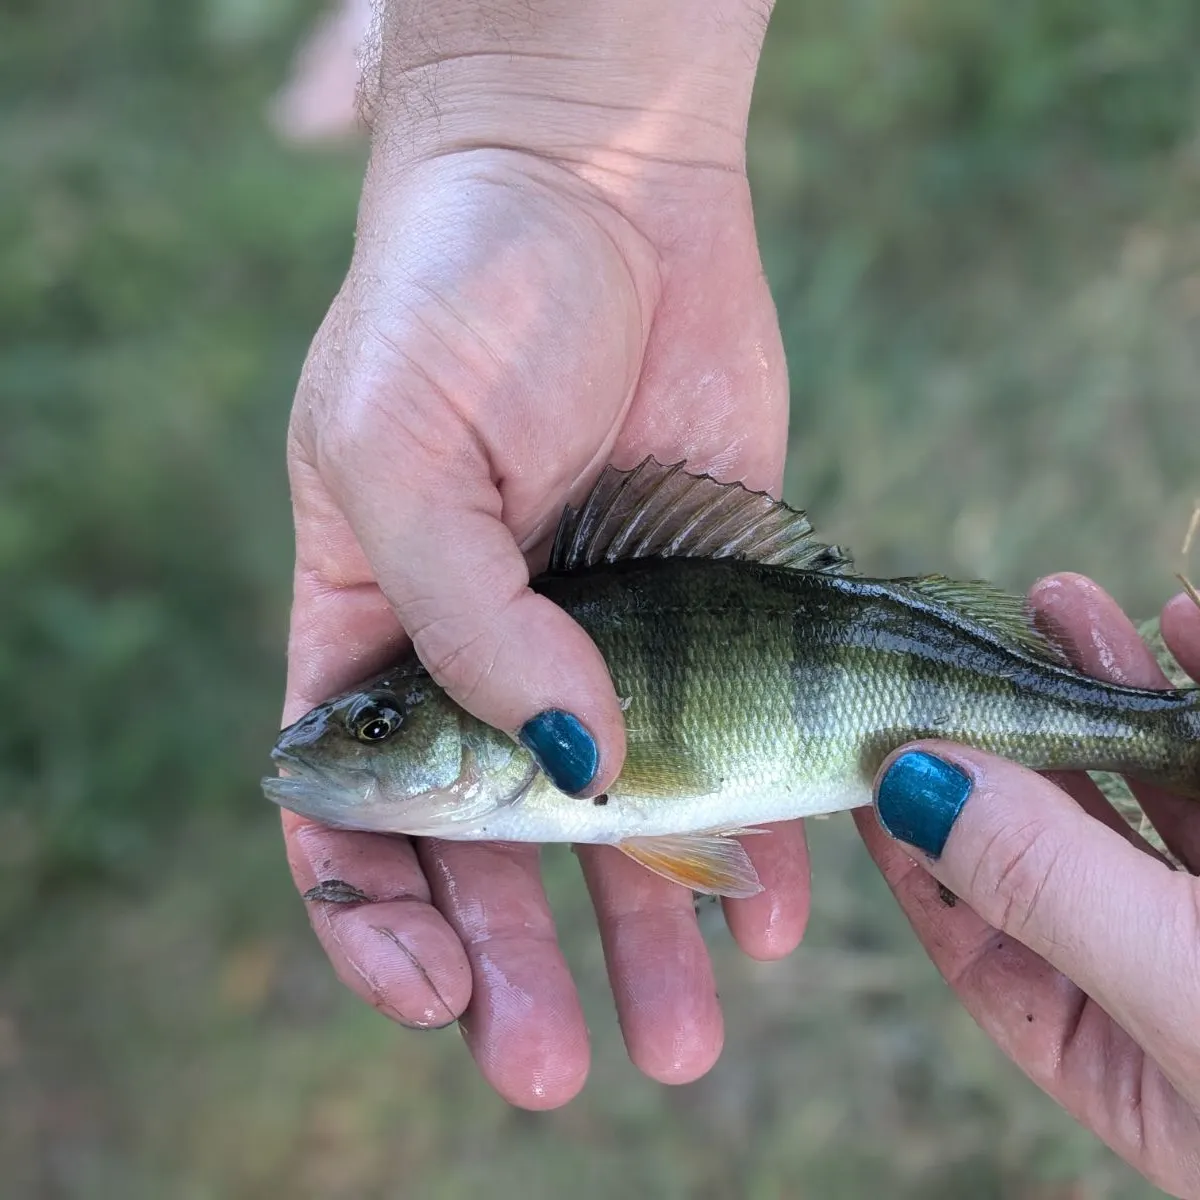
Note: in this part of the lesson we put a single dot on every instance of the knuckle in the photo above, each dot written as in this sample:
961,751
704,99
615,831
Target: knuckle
1013,877
364,413
460,655
393,402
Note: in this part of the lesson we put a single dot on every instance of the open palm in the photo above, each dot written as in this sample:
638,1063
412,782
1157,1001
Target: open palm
508,327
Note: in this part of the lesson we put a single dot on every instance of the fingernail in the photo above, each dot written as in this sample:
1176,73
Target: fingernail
919,799
563,749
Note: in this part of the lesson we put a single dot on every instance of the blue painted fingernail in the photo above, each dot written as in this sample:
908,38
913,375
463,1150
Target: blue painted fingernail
919,800
563,749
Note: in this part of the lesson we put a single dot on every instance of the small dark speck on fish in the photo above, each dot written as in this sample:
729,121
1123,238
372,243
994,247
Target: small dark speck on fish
948,898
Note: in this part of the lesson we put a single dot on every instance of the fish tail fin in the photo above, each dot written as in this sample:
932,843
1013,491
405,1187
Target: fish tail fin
1173,753
1191,734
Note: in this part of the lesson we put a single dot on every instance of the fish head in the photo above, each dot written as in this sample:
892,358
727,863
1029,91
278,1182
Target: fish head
396,755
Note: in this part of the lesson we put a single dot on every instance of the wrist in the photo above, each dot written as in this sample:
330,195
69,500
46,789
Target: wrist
611,86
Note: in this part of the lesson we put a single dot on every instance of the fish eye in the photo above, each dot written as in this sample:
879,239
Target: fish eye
374,722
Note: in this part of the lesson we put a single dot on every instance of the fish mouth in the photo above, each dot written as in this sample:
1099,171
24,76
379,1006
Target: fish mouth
326,794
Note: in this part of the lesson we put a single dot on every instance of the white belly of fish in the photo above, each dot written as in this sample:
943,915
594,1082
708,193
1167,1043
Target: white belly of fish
545,814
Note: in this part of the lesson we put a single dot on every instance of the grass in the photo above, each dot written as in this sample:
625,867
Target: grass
979,222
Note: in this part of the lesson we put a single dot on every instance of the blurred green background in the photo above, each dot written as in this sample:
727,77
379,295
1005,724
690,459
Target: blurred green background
982,225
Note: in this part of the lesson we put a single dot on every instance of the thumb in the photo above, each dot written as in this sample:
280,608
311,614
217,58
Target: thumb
455,576
1118,923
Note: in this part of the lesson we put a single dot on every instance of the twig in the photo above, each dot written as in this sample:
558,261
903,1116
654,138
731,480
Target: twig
1191,589
1192,530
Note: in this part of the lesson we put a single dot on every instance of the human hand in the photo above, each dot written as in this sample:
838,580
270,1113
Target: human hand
1075,946
541,284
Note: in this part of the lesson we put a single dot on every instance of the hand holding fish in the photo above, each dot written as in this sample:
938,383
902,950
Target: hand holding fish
1074,945
540,284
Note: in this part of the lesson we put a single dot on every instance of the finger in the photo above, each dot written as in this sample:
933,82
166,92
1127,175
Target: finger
524,1025
658,966
1030,864
1180,627
459,583
1177,818
1103,642
770,925
1080,787
370,907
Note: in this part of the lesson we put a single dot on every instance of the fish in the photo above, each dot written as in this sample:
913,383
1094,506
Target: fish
762,679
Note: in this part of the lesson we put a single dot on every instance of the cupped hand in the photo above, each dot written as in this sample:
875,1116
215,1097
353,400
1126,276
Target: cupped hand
507,328
1073,944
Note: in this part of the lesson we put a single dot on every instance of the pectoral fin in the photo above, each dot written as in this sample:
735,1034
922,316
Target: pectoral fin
714,863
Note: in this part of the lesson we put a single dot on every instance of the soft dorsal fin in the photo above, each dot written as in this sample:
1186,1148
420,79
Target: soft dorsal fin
657,511
1008,617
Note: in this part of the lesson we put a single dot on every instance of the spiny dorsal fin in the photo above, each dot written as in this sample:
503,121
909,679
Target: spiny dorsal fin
1007,616
657,511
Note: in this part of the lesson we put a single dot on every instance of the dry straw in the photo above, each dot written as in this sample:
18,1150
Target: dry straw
1193,531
